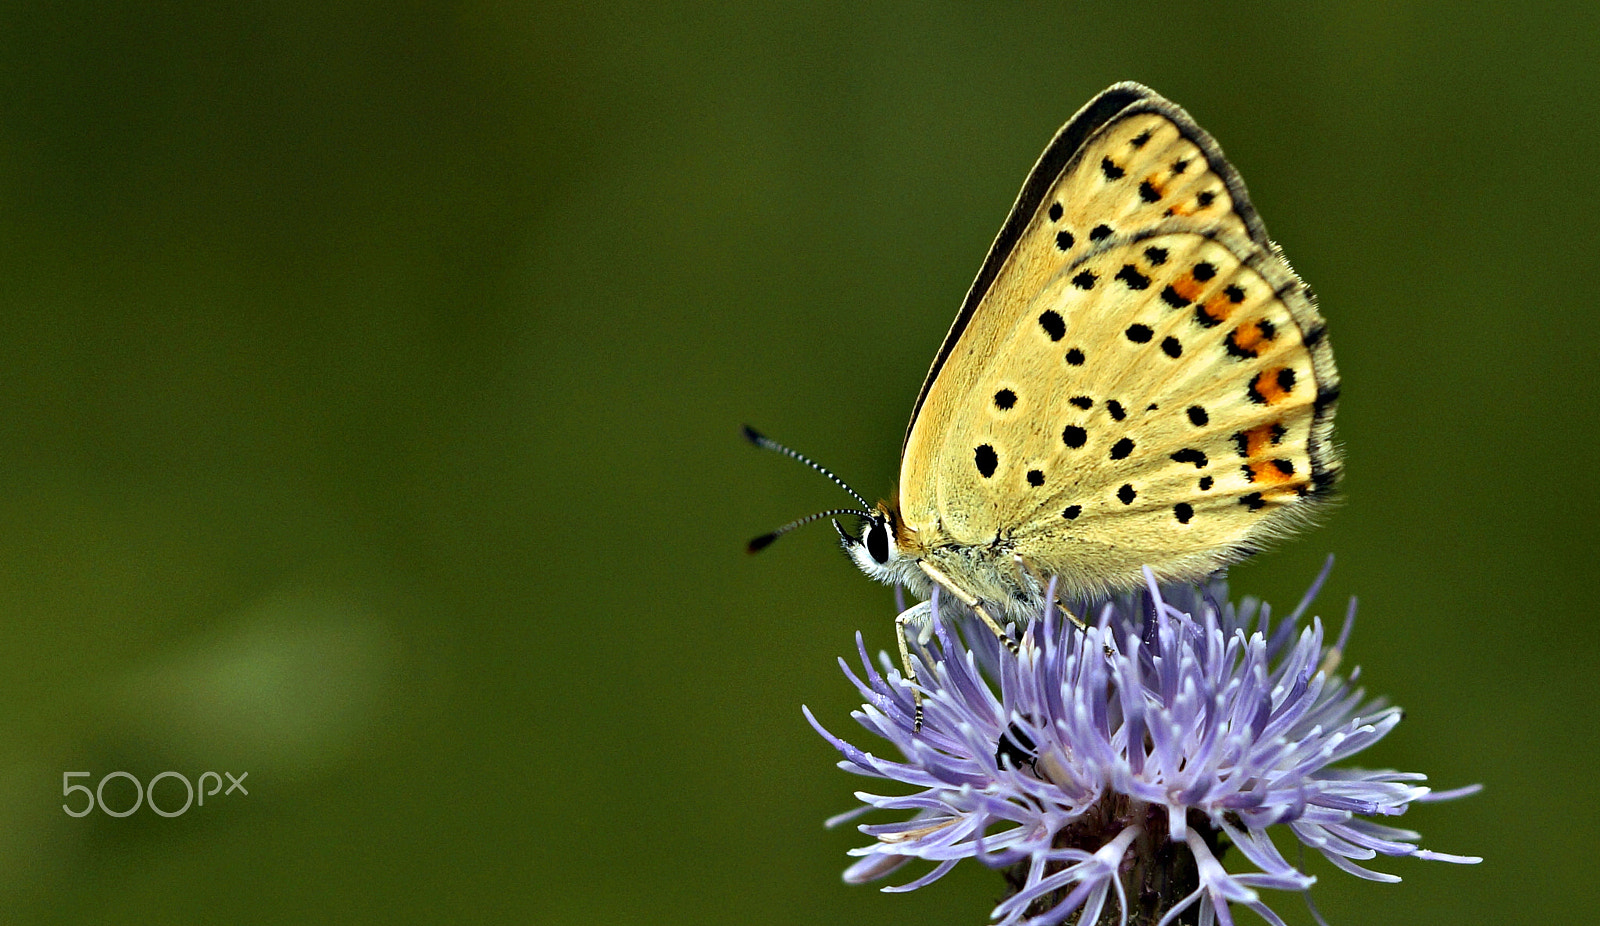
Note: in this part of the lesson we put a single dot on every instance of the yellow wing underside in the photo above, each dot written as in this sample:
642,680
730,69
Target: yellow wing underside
1144,382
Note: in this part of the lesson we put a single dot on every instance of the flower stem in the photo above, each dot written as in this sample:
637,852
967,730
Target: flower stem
1157,873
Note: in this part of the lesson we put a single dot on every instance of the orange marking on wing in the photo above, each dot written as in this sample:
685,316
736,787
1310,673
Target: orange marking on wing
1219,307
1187,287
1268,472
1273,386
1251,337
1258,439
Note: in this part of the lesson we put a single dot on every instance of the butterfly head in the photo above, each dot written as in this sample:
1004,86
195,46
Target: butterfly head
884,548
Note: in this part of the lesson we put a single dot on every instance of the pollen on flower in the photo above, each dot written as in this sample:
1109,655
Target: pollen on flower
1112,768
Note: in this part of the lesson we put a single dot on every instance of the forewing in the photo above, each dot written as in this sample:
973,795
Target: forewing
1137,377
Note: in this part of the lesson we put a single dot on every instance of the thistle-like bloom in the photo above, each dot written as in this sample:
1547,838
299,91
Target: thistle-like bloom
1126,759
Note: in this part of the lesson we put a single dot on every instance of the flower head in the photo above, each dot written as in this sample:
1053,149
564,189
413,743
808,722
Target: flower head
1126,759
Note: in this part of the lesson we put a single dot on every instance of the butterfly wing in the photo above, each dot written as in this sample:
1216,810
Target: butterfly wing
1136,378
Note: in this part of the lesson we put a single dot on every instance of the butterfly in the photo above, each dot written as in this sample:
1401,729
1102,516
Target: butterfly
1136,379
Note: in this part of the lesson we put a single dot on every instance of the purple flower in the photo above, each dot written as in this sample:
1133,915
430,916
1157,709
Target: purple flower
1127,759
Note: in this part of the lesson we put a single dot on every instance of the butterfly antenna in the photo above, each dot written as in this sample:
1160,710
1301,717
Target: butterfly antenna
767,443
765,540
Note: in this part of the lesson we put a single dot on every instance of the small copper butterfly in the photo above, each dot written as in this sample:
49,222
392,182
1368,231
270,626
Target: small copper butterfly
1137,378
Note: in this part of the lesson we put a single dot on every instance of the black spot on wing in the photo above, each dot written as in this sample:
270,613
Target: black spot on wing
1053,324
1130,275
1110,169
986,459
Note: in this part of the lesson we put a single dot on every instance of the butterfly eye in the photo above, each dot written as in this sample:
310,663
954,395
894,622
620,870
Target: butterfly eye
878,542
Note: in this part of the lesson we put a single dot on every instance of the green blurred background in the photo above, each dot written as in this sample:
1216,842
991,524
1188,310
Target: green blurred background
372,375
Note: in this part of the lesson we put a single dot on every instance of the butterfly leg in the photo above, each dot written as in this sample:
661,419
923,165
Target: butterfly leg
971,601
900,623
1040,581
